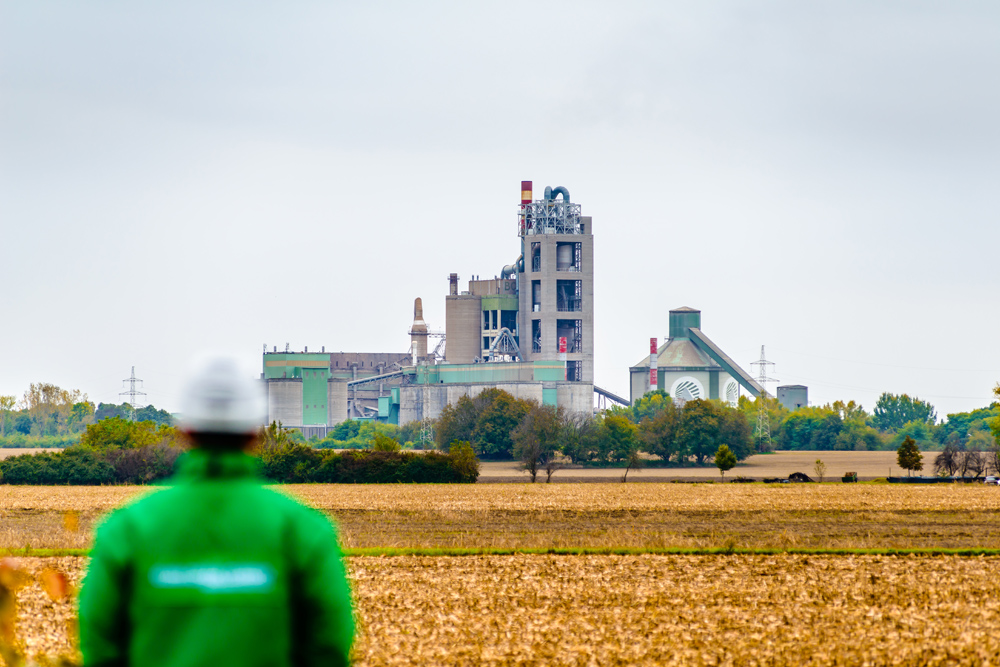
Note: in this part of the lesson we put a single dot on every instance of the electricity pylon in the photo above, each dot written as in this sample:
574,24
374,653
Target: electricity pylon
763,418
132,393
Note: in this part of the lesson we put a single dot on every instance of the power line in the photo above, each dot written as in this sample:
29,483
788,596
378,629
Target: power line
876,363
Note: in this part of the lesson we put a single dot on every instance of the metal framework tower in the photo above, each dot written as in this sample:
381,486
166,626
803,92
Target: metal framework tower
426,429
763,418
132,393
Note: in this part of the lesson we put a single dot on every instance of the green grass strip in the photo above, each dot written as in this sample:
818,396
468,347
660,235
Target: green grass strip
584,551
44,553
671,551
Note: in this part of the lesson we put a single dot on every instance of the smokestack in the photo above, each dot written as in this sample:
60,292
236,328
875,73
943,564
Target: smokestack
525,192
652,365
418,333
453,284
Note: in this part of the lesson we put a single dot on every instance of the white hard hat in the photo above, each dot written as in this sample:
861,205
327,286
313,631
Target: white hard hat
220,398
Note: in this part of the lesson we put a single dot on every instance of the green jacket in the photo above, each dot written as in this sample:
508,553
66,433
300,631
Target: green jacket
216,570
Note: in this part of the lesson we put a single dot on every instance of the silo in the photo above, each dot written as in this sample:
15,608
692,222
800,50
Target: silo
463,322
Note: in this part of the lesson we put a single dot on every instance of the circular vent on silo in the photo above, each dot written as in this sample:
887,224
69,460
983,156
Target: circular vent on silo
687,389
732,392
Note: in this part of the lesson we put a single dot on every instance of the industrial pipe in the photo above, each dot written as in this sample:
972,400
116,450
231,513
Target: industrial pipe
512,270
550,193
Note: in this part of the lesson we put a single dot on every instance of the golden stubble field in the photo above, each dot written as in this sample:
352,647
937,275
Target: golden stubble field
646,609
722,609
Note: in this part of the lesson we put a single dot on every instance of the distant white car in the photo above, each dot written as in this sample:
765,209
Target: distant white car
992,480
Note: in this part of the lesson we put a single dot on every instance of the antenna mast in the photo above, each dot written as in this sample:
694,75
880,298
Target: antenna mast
132,393
763,418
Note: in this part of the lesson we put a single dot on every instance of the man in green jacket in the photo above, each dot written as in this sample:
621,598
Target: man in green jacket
216,570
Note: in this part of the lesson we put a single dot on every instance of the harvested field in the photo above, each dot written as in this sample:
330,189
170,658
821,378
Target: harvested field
6,452
618,610
868,465
582,515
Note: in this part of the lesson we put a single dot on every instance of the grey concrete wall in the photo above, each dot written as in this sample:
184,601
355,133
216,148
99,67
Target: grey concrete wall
284,401
639,384
463,324
576,397
336,400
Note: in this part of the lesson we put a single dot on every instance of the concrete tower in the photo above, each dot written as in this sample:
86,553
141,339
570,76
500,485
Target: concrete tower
556,282
418,333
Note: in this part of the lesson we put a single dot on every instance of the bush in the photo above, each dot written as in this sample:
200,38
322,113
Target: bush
303,464
73,466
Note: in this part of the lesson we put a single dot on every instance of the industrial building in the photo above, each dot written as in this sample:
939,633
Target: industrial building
689,365
528,331
793,396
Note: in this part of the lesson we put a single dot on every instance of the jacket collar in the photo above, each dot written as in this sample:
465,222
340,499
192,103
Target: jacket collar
201,464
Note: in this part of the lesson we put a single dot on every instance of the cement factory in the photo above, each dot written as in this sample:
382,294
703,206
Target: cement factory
528,331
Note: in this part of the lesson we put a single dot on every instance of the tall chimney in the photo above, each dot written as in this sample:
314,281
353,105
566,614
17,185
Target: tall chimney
418,333
525,192
652,364
453,284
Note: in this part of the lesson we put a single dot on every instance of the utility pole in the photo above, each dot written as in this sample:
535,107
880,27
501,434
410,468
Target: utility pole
132,393
763,418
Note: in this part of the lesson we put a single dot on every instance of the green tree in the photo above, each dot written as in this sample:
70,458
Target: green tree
734,430
725,460
499,415
151,414
698,431
776,412
119,434
486,421
456,423
618,436
893,412
919,431
857,436
909,457
811,428
849,411
536,438
80,415
464,461
820,469
6,405
658,434
581,437
650,405
50,406
995,424
383,443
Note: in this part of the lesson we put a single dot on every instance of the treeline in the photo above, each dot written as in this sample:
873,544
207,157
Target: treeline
500,426
49,416
112,451
357,434
849,427
120,451
286,461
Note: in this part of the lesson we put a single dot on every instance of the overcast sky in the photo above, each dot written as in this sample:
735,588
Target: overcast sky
820,178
